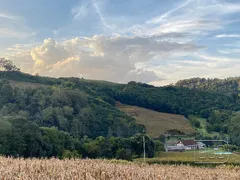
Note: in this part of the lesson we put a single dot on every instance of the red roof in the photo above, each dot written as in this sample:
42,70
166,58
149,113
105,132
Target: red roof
188,142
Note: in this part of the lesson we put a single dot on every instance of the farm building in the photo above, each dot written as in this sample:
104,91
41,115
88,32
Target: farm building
201,145
172,146
182,145
188,144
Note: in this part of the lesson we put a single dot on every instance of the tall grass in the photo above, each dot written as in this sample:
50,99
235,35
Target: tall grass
43,169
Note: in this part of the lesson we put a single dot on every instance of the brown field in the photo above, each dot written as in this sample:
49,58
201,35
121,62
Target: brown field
107,170
157,123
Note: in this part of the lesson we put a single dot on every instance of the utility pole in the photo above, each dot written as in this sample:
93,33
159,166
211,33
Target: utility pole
144,149
227,144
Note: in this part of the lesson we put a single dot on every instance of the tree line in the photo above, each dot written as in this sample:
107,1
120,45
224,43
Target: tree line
23,138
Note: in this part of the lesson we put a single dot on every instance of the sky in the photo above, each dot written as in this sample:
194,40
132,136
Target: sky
155,41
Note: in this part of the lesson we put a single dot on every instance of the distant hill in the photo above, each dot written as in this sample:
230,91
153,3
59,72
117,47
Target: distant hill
216,102
157,123
228,85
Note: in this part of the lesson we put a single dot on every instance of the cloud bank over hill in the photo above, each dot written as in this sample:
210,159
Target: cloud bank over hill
100,57
154,42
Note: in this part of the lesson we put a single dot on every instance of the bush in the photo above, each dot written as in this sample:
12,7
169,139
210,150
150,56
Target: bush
67,154
124,154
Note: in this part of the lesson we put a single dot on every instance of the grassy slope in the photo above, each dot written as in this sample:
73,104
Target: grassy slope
202,130
157,123
191,157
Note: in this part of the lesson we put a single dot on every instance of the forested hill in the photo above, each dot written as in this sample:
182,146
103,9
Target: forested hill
87,107
45,117
52,102
169,99
228,86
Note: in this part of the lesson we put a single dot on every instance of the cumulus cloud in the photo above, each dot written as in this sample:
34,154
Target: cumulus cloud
99,57
158,50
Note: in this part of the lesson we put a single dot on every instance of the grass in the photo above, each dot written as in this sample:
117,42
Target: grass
202,130
191,157
156,122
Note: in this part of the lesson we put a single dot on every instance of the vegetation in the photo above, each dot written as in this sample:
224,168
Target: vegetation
69,110
54,121
234,130
191,157
158,123
23,138
7,65
103,169
228,86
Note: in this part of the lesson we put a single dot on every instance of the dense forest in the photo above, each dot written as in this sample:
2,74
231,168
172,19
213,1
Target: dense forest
65,117
227,86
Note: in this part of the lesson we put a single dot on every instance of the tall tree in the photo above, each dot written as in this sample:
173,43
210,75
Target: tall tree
7,65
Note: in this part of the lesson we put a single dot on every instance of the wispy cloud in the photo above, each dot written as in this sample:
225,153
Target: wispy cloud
229,51
101,16
79,12
5,32
195,17
228,36
168,13
218,59
6,16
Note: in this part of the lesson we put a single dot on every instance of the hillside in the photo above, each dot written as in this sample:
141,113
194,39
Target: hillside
79,117
157,123
228,85
40,117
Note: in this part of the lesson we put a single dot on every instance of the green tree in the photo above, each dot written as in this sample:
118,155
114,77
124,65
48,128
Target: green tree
234,129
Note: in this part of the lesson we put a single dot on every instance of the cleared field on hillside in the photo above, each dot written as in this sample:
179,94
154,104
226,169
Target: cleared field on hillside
157,123
106,170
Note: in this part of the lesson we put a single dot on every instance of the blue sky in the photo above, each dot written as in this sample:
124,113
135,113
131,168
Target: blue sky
154,41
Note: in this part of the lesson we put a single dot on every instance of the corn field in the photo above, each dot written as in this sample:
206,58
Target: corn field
106,170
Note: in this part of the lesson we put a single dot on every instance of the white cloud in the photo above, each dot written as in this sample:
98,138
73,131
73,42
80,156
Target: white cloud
6,16
206,66
100,57
98,11
198,17
11,33
159,19
228,36
79,12
122,59
160,50
219,59
13,30
229,51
